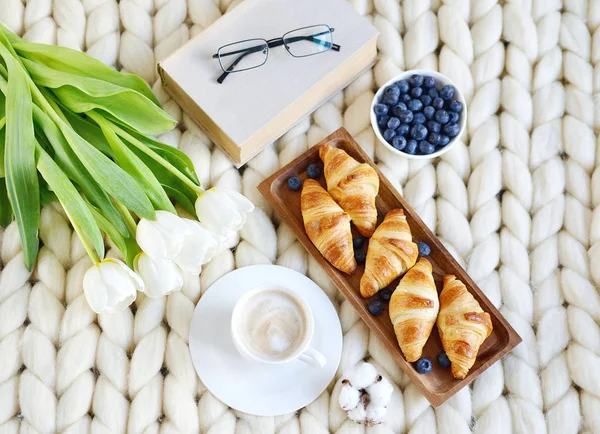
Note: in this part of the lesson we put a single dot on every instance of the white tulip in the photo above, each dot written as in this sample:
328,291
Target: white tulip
110,286
184,241
160,276
223,211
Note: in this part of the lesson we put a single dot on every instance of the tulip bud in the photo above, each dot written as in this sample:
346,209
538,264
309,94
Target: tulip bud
111,286
223,211
184,241
160,276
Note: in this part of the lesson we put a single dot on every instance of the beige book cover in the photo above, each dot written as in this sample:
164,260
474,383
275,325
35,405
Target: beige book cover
250,109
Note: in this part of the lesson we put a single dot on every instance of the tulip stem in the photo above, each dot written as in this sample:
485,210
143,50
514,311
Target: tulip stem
129,221
160,160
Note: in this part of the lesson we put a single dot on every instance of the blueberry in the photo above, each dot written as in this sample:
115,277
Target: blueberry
389,134
405,116
360,256
426,100
442,117
415,80
418,132
429,82
443,360
456,106
403,86
390,98
426,148
434,138
358,242
419,118
411,147
415,105
392,89
429,112
416,92
453,117
424,249
399,142
451,130
405,98
434,127
385,294
403,129
433,93
447,92
313,171
376,307
294,183
383,120
393,123
444,140
400,107
380,109
424,365
437,103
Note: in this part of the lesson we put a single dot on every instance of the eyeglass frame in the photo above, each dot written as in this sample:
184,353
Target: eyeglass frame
270,43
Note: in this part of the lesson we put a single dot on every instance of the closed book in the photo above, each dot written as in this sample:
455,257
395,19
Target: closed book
252,108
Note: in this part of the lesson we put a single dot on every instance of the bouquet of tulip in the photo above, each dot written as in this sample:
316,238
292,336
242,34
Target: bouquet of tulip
74,130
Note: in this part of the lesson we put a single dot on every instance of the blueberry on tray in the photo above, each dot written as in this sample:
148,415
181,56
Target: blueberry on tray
376,307
423,365
294,183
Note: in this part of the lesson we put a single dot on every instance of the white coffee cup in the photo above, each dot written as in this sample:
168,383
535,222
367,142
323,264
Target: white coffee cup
263,327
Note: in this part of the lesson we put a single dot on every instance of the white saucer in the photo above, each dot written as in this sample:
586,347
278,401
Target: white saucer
253,387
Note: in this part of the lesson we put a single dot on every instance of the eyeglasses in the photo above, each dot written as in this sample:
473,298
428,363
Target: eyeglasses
252,53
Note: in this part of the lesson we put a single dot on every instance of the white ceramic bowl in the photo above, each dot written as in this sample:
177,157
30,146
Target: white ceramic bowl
442,81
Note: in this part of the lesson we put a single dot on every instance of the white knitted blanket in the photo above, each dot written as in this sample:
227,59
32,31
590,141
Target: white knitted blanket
518,203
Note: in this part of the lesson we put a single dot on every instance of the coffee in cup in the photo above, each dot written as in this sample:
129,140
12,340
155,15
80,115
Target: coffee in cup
274,325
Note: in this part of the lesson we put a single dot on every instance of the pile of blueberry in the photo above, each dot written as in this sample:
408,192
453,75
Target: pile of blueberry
417,117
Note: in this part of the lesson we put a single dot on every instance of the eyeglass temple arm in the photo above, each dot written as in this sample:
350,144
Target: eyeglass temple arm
231,67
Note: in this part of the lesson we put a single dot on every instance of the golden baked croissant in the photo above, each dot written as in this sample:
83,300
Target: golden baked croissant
391,252
413,309
353,186
462,324
327,226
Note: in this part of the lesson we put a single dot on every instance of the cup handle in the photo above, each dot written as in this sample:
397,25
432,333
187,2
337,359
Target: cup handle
313,357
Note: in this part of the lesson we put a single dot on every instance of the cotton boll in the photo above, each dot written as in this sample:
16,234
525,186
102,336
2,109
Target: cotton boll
375,414
362,375
349,396
358,414
380,392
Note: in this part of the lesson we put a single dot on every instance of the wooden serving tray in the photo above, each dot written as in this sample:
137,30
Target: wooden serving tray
438,385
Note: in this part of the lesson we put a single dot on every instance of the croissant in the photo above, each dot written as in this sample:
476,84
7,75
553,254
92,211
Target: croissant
353,186
413,309
327,226
462,324
391,252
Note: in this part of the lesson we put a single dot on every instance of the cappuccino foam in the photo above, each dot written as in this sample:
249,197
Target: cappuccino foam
272,325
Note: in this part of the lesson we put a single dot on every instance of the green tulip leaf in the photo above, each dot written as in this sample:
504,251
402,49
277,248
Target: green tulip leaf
74,169
134,166
20,159
6,214
76,62
70,199
82,94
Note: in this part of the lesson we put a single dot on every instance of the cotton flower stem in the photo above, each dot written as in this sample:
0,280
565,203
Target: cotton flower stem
149,152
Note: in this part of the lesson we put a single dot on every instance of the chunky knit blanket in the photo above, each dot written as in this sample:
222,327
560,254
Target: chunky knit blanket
517,202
